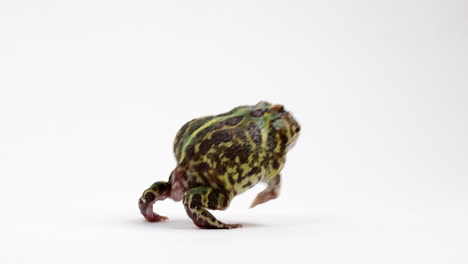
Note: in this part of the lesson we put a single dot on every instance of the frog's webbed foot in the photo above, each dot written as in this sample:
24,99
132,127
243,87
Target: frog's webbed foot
271,192
158,191
199,198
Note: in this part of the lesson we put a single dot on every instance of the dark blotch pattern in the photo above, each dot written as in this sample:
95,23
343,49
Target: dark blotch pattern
266,160
247,184
244,154
254,171
221,136
232,121
258,112
283,142
213,200
271,141
255,133
214,157
150,197
232,151
240,172
189,152
201,167
161,187
275,164
196,201
205,146
231,178
221,169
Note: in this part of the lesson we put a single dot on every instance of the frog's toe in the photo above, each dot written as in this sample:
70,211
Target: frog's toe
230,226
147,211
220,226
156,218
271,192
261,198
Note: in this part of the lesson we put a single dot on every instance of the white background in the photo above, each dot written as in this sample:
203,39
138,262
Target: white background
92,94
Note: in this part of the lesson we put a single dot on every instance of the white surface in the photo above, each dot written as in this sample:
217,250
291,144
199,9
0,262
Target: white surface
93,92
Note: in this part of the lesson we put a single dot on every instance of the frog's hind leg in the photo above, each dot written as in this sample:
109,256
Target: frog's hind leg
271,192
196,201
158,191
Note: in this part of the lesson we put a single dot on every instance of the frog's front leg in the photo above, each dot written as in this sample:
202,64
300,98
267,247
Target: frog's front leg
271,192
199,198
158,191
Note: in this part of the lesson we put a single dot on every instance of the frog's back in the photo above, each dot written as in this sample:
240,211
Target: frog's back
194,131
231,151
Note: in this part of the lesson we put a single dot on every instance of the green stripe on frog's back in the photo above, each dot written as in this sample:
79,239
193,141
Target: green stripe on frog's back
188,129
189,137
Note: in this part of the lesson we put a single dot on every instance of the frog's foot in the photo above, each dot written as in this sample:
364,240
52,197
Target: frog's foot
158,191
199,198
271,192
153,217
263,197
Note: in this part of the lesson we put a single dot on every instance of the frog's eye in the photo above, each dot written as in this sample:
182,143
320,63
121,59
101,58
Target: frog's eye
277,109
295,129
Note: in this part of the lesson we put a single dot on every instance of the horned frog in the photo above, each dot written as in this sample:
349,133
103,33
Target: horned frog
219,157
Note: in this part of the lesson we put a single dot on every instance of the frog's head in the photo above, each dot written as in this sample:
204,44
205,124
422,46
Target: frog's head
283,122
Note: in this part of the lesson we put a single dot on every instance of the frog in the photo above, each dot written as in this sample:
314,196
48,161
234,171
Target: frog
221,156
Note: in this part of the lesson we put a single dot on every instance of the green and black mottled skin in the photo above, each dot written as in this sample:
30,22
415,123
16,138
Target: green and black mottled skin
219,157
